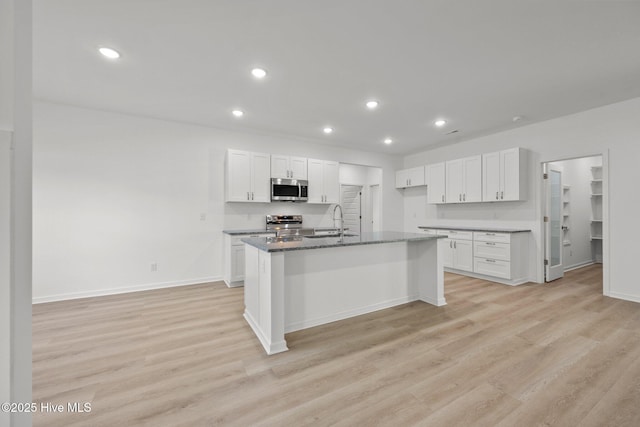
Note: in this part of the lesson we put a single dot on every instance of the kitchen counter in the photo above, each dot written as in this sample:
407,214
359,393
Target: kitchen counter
294,243
264,230
251,231
295,283
483,229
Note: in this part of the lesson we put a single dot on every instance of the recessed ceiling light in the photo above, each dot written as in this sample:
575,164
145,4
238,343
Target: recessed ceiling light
238,113
259,73
327,130
109,53
388,141
371,104
440,123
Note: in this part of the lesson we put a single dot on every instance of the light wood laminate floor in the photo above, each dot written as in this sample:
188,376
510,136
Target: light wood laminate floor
558,354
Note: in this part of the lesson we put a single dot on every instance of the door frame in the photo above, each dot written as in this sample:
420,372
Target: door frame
548,268
362,197
606,250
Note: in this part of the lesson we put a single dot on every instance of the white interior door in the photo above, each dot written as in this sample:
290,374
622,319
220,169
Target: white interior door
376,207
351,202
553,224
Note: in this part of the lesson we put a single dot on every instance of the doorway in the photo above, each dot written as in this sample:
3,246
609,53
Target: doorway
575,222
351,201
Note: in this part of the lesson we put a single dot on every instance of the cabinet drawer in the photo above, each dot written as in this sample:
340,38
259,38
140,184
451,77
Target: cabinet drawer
457,234
492,250
485,236
492,267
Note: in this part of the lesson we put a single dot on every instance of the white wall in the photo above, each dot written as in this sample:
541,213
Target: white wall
6,122
114,193
614,129
5,277
576,174
6,64
15,119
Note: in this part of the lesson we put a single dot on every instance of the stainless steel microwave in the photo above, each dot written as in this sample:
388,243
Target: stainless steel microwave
289,190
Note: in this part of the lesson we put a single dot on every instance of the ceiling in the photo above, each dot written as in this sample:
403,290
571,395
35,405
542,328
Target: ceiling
476,64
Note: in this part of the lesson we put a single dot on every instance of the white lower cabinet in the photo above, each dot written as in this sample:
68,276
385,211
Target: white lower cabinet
456,250
492,267
234,257
501,257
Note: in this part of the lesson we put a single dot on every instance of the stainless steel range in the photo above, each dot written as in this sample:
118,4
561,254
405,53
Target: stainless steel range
287,225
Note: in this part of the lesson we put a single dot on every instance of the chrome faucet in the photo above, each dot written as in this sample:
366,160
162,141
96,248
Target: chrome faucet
341,220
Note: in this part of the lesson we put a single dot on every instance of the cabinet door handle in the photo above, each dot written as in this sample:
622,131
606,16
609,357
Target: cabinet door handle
502,195
252,195
490,244
490,260
464,197
459,197
451,244
443,198
497,195
455,246
248,196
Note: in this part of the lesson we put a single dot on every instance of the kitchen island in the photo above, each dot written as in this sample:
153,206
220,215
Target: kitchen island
298,282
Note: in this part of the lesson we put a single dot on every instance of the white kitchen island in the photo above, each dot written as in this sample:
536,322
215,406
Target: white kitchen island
296,283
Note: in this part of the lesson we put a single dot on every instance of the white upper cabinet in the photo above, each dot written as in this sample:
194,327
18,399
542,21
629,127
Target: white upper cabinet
410,177
464,180
247,176
324,181
504,175
435,180
288,167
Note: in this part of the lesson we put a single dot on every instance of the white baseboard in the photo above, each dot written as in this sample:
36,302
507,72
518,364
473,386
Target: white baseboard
512,282
296,326
123,290
270,347
626,297
580,265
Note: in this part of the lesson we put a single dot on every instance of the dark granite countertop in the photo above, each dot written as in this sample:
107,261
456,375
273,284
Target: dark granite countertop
262,230
294,243
243,232
485,229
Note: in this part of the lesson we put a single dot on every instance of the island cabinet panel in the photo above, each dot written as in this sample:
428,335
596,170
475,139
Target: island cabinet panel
247,176
296,284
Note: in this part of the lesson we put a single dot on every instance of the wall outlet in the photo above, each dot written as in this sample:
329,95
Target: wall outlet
154,266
